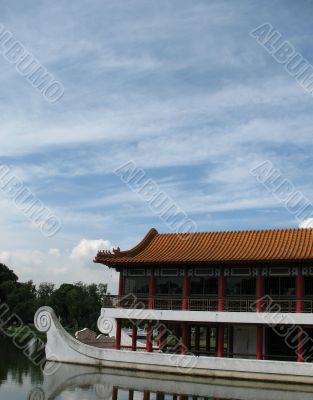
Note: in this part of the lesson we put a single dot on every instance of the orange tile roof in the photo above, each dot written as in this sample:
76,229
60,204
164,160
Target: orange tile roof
215,247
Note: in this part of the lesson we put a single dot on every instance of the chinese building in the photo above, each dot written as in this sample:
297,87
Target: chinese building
241,294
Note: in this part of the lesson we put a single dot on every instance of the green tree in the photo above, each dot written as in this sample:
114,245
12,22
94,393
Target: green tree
59,303
78,305
102,291
7,274
22,300
44,294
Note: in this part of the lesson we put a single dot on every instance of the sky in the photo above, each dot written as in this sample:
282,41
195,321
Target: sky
180,88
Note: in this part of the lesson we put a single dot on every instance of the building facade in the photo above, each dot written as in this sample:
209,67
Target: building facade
243,294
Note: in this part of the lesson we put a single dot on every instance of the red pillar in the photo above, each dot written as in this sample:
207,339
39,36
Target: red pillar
185,291
118,334
220,307
114,393
259,308
299,292
221,291
259,292
134,337
185,330
149,345
149,338
259,342
130,394
299,309
151,290
220,340
146,395
120,289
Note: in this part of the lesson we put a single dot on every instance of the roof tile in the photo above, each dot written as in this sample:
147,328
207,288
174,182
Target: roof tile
213,247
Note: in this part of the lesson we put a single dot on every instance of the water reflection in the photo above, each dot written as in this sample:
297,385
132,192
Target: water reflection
126,385
15,366
20,379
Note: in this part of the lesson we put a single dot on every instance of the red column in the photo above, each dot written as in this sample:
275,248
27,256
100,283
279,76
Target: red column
118,334
130,394
151,289
134,337
149,338
220,340
120,289
299,309
185,291
146,395
299,292
259,342
259,292
185,329
220,307
221,291
259,308
118,321
150,305
114,393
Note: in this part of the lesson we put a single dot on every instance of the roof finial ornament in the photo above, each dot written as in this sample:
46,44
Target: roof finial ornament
108,252
108,256
117,250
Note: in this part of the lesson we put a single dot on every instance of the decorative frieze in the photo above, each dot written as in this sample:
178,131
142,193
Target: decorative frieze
255,271
199,271
240,271
137,272
217,272
170,272
294,271
307,271
279,271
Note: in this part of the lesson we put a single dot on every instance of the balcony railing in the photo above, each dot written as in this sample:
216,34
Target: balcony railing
272,304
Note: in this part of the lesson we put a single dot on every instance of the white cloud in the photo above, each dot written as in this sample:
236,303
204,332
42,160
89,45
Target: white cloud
87,249
54,252
307,223
57,267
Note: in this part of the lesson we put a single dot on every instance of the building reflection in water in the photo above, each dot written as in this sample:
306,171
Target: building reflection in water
131,394
107,384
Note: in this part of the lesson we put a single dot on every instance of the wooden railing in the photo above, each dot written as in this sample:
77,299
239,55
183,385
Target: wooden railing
272,304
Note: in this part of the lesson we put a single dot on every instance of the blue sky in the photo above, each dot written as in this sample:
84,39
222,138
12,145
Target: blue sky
179,87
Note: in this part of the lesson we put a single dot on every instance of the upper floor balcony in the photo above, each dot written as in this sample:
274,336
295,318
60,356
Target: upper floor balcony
273,304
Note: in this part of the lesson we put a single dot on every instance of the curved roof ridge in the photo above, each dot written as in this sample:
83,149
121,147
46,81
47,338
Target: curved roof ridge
131,252
236,231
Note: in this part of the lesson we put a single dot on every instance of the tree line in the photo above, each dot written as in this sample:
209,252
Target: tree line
76,305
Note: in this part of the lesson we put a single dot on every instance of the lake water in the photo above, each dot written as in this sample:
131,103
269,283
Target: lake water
20,379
